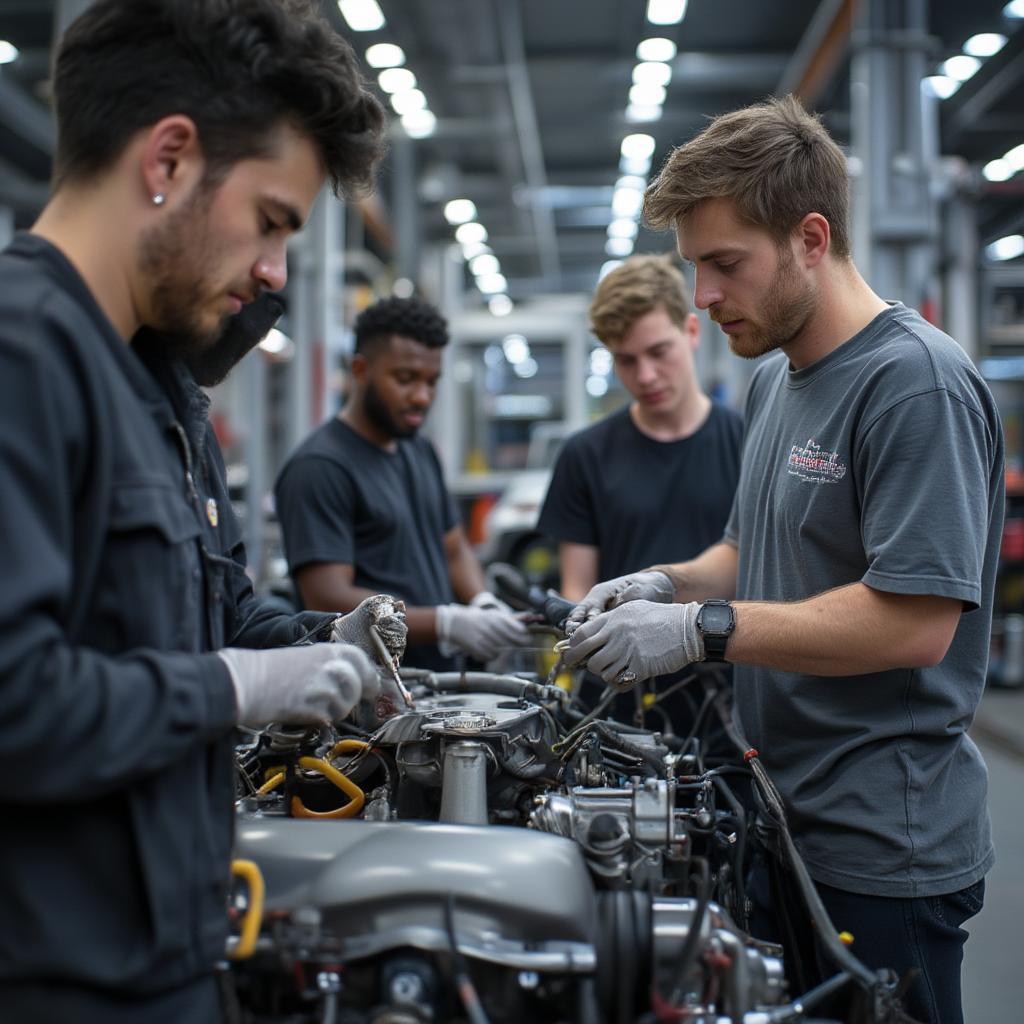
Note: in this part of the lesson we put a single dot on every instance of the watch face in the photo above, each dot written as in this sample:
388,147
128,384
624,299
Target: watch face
716,618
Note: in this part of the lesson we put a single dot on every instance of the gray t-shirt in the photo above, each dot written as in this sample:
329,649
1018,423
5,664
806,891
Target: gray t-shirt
881,463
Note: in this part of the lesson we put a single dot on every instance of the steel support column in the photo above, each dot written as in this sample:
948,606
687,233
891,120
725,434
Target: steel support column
894,134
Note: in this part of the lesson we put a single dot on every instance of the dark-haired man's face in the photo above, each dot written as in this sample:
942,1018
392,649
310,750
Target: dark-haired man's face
398,386
212,252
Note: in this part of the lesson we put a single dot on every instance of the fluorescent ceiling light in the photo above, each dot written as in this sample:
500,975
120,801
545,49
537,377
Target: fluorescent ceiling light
1014,9
8,52
471,232
525,368
941,85
516,348
633,181
984,44
485,263
637,147
385,55
473,249
647,94
396,80
362,15
276,342
491,283
622,227
635,164
652,72
1008,248
499,305
961,67
997,170
601,361
459,211
636,114
655,49
1015,158
665,12
618,246
418,124
607,267
408,101
627,202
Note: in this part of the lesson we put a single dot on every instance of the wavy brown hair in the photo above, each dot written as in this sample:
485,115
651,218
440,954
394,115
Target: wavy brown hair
641,285
773,159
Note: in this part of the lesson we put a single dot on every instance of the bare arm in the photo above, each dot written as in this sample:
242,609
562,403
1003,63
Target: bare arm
848,631
711,574
467,578
579,569
328,586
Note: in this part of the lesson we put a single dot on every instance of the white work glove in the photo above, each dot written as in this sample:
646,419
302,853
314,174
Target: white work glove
485,599
652,585
481,632
380,611
311,684
638,640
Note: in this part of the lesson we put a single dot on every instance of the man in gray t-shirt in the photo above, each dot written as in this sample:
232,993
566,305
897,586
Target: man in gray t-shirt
861,549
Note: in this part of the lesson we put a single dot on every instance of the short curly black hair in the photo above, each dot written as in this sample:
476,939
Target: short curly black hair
409,318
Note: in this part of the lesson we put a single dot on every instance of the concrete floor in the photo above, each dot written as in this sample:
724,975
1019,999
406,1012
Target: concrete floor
993,976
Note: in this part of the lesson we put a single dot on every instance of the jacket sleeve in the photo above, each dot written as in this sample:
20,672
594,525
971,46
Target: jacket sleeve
75,723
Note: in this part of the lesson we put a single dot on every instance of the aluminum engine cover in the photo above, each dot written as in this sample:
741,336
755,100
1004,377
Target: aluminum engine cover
522,898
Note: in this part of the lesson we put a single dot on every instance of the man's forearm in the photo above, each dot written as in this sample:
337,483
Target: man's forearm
852,630
711,574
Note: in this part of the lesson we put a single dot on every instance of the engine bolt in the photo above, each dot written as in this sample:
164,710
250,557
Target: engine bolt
406,987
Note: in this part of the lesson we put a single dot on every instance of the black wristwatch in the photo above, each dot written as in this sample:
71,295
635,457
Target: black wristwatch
716,620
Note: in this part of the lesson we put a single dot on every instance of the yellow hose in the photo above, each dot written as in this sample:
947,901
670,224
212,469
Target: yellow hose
253,917
356,796
272,783
345,746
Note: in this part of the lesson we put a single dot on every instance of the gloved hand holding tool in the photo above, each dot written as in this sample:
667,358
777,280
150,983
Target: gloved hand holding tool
651,585
638,640
377,627
309,684
481,628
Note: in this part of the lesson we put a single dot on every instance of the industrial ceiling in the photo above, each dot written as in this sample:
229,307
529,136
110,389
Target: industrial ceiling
527,105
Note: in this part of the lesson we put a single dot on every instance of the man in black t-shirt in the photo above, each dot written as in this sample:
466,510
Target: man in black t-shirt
671,448
659,475
364,508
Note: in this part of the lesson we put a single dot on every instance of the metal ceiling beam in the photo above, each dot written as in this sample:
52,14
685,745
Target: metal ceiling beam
26,118
525,116
820,51
733,72
976,97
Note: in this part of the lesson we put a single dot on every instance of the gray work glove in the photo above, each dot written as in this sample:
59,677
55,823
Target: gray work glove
480,632
638,640
381,612
653,585
311,684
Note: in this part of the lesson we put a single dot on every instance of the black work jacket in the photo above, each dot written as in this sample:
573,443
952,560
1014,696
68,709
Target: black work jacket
115,578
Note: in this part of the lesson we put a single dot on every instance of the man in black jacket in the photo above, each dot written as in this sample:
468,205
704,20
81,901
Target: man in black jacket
193,137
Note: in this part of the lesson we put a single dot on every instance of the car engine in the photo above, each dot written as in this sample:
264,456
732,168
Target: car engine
497,854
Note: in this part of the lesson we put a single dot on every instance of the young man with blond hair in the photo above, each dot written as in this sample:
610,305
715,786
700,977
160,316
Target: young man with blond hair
670,447
861,550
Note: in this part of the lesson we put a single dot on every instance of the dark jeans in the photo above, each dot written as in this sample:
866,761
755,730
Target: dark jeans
922,934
